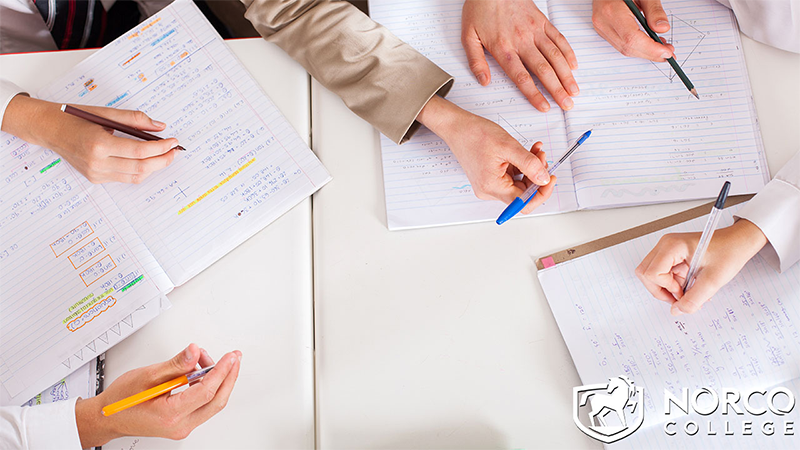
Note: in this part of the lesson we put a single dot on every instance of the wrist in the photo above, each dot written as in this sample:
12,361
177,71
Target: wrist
94,429
746,237
438,115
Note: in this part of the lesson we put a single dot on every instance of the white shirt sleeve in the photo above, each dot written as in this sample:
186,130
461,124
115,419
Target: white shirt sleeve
776,211
773,22
50,426
7,91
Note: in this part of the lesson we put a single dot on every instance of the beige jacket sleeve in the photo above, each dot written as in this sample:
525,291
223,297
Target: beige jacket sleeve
379,77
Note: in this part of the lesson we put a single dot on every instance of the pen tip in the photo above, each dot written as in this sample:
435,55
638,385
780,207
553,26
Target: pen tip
694,92
180,148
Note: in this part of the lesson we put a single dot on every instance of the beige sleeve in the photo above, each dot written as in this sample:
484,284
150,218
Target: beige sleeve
379,77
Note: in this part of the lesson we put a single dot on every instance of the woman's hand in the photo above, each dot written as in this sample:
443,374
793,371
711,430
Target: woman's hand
170,416
520,38
663,271
488,154
614,21
91,149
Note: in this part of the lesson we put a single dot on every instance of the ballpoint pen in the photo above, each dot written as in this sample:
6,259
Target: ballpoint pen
635,10
705,237
519,203
154,392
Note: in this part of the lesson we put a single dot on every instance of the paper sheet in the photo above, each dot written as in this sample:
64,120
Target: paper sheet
747,337
652,141
424,183
245,165
72,266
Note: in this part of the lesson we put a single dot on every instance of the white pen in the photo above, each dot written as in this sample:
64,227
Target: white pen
705,238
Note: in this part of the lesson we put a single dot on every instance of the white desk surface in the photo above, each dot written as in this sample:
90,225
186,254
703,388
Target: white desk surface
442,337
257,299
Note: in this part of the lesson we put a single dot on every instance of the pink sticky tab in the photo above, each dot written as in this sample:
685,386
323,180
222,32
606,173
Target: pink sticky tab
548,262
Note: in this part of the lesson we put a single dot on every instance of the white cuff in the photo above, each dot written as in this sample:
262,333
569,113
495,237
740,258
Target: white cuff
776,211
7,91
52,426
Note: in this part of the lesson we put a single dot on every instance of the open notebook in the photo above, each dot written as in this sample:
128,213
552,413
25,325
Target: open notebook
747,337
90,263
652,141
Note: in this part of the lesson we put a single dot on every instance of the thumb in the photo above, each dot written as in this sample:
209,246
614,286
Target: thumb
529,164
181,364
693,299
135,119
656,17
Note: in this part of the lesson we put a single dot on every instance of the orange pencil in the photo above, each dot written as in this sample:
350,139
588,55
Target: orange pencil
152,393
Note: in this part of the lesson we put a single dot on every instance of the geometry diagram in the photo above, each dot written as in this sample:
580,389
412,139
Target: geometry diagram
689,38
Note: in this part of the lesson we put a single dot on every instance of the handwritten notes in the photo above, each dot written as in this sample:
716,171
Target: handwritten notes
63,246
424,183
244,165
652,141
747,337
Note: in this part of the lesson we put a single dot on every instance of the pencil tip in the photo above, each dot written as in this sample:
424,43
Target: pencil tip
694,92
180,148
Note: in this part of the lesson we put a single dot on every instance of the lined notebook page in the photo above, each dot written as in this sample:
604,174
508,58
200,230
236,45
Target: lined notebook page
747,337
72,269
424,183
653,141
245,165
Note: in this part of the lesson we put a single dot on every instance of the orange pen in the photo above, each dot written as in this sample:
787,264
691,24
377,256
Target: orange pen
152,393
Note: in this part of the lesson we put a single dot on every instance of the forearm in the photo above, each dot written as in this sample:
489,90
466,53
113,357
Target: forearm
94,429
21,112
379,77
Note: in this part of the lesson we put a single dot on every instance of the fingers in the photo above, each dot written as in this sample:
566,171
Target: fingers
129,148
529,164
564,46
204,391
515,69
657,19
205,358
475,56
637,44
141,167
552,70
657,269
135,119
181,364
220,400
541,196
702,290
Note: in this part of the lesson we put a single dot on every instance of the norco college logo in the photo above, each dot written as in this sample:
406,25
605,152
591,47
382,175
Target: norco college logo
615,410
619,396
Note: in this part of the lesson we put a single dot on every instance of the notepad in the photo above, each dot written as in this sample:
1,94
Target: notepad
90,263
651,141
747,337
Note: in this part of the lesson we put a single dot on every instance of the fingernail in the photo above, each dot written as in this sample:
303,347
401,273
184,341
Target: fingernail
542,178
666,55
675,311
573,89
157,123
662,22
188,356
481,78
568,103
545,106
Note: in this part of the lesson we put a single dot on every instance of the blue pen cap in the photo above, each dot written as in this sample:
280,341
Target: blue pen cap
511,210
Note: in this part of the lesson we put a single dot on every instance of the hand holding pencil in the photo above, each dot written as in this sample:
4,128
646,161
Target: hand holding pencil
91,148
170,416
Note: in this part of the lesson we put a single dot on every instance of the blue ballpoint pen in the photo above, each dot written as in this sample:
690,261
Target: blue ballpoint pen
519,203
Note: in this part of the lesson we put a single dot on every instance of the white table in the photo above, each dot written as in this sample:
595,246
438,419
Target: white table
442,337
272,405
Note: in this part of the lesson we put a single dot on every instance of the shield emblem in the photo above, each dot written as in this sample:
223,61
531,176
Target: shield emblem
613,410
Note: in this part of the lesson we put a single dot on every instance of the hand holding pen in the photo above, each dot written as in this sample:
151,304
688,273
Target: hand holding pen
170,416
90,148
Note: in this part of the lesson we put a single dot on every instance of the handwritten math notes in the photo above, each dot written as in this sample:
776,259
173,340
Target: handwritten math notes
244,166
424,183
651,141
747,337
72,268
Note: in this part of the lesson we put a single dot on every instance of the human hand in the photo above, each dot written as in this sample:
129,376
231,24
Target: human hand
663,271
91,149
490,157
614,21
518,35
172,416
